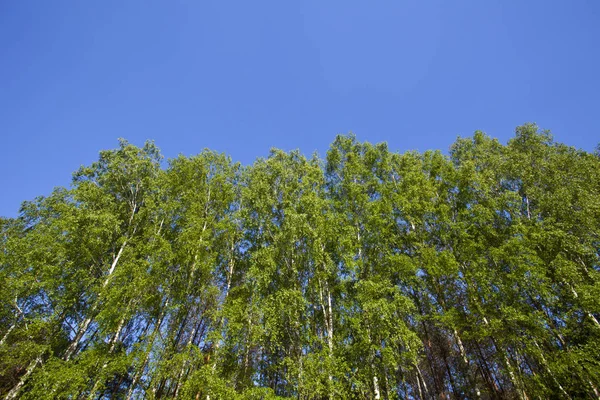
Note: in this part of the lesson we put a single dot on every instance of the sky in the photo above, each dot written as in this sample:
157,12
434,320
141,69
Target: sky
242,77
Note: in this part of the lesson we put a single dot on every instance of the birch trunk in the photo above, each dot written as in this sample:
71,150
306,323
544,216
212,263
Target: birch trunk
328,319
183,367
86,323
113,343
12,327
14,392
422,381
589,314
221,321
465,359
516,383
140,370
81,332
375,384
547,367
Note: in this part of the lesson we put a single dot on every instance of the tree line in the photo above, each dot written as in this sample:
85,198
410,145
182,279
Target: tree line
367,274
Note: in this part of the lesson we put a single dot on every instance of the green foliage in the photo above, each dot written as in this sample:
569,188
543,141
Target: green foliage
369,274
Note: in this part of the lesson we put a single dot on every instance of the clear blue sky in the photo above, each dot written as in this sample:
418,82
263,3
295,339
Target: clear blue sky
241,77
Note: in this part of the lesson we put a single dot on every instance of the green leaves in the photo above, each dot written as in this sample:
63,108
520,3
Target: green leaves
368,274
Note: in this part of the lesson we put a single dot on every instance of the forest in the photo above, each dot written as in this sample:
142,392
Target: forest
367,274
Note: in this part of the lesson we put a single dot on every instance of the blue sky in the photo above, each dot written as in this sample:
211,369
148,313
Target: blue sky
241,77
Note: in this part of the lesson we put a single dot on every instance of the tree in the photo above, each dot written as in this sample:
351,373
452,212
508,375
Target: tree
366,274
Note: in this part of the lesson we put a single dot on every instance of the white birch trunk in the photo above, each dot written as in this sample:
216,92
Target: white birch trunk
12,327
589,314
330,337
140,371
328,319
547,367
113,343
465,359
422,380
376,385
183,367
229,276
86,323
14,392
521,392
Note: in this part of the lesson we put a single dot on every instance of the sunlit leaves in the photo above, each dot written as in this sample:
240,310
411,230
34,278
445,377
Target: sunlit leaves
366,274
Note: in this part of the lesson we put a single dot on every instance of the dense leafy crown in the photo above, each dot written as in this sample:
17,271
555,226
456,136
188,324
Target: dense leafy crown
366,275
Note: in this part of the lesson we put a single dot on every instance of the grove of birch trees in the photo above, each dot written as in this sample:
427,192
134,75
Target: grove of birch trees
367,274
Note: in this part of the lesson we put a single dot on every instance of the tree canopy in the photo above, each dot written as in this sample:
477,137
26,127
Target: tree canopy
367,274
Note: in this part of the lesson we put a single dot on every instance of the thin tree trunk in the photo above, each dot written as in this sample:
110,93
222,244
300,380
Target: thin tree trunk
594,388
14,392
113,343
547,367
222,321
516,383
422,380
328,319
438,387
487,373
465,359
375,383
82,329
450,378
589,314
10,329
140,370
190,341
330,336
86,323
402,379
194,327
419,387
